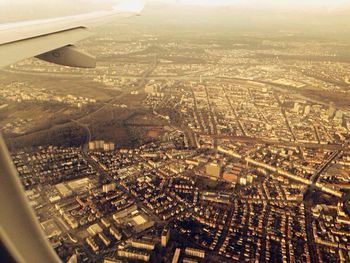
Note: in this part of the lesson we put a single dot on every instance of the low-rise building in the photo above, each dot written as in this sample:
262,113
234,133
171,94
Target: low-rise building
176,255
195,252
134,254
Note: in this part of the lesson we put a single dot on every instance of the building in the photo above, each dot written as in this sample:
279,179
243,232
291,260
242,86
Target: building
94,229
164,239
115,233
125,212
105,222
343,220
96,145
151,88
73,259
192,162
214,197
340,210
142,244
63,190
99,144
297,107
250,178
92,146
331,112
92,244
111,260
189,260
134,254
72,222
80,185
213,170
307,110
104,239
108,146
243,181
176,255
195,252
339,117
230,177
108,187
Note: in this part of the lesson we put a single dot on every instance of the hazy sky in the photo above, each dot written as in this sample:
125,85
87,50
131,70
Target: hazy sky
245,3
13,10
271,3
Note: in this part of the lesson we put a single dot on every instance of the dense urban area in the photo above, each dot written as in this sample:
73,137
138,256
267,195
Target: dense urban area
180,148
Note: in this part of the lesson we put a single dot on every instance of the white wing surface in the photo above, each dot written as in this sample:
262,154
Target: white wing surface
53,39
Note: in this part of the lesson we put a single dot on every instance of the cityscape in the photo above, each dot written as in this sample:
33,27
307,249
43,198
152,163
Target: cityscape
187,147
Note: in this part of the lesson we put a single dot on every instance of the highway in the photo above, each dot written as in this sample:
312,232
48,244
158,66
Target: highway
247,139
324,167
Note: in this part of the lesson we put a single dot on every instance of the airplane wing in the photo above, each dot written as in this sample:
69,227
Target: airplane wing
53,39
22,239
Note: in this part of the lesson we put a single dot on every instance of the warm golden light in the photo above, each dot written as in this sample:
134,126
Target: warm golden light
266,3
130,6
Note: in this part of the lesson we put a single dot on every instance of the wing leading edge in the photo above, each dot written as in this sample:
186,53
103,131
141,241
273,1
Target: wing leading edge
20,232
23,40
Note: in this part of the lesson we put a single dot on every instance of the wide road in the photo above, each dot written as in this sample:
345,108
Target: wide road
324,167
247,139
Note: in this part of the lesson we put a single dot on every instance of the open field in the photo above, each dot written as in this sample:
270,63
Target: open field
61,85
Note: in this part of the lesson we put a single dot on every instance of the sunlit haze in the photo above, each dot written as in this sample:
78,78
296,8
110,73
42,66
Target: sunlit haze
271,3
130,5
11,10
192,131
